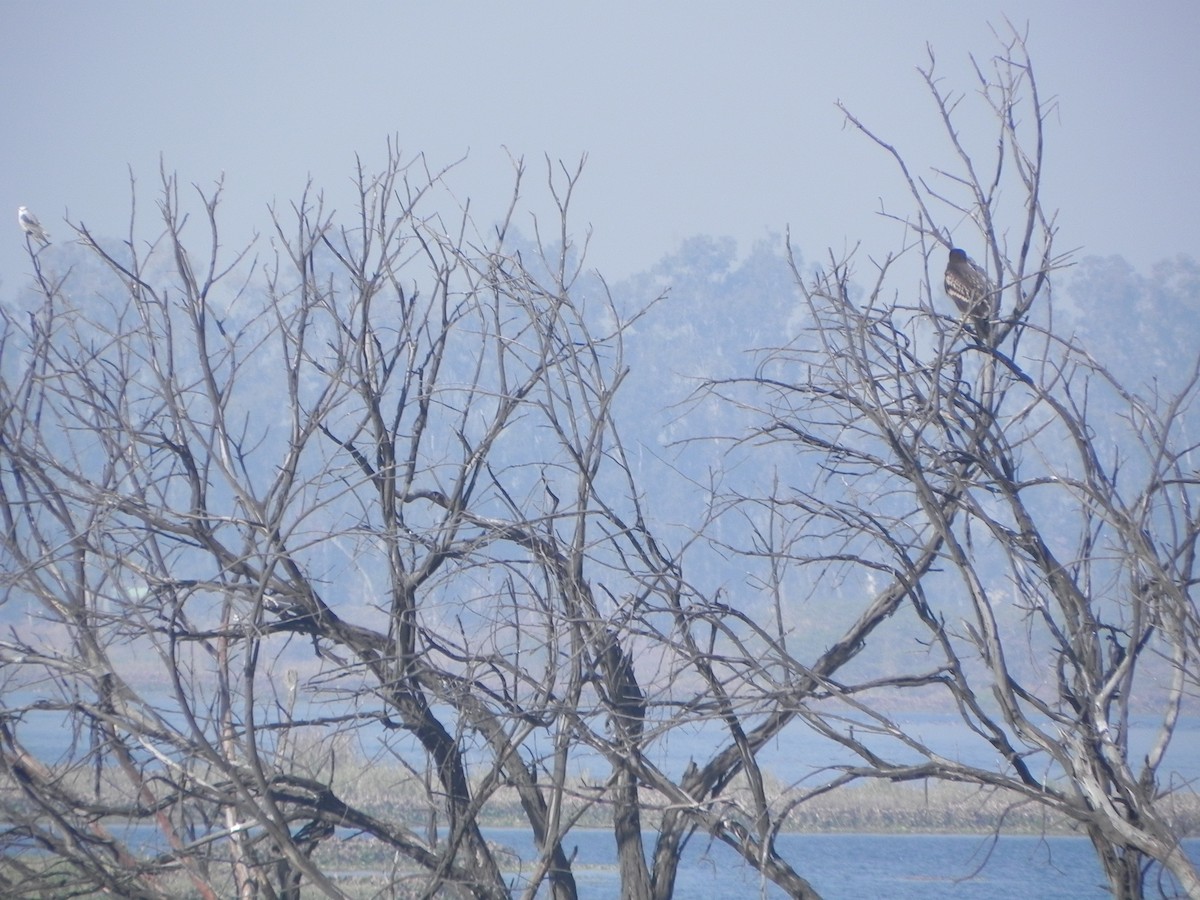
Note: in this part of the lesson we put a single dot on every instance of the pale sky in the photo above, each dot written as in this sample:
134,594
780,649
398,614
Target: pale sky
697,118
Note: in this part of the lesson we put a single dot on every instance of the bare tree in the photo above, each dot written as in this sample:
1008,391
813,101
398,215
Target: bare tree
1029,522
398,455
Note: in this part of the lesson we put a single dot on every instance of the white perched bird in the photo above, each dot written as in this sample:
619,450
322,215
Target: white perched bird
31,226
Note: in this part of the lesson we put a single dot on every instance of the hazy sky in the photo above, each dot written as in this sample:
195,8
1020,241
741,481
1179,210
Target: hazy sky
696,117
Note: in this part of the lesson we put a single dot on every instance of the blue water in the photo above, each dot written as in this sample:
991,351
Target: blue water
856,866
839,866
795,756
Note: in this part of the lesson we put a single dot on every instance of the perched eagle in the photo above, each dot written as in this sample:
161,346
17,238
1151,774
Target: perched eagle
971,291
31,226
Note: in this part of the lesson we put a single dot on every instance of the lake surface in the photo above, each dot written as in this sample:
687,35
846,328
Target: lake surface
856,866
839,866
795,756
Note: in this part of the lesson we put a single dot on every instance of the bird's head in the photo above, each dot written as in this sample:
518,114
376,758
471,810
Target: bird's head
956,254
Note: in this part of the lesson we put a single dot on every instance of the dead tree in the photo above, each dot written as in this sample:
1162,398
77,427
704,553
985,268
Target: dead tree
266,523
1039,562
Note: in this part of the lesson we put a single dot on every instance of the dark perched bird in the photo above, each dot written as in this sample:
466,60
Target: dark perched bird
972,292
